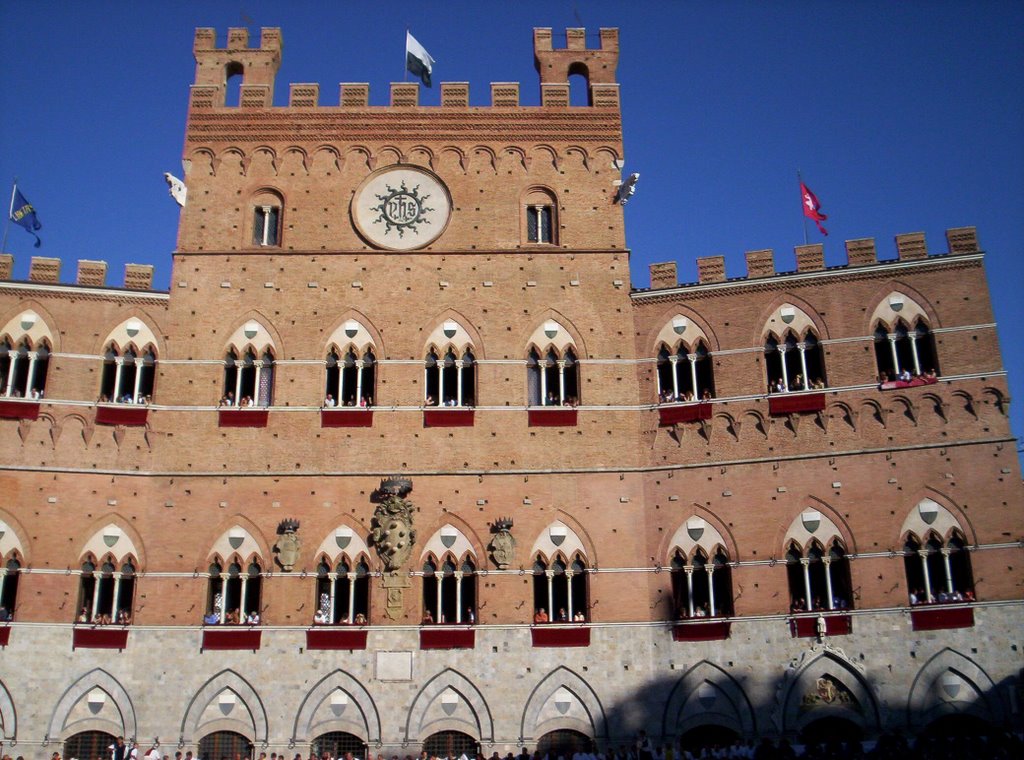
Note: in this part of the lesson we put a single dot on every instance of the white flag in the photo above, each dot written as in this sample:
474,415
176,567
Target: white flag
417,59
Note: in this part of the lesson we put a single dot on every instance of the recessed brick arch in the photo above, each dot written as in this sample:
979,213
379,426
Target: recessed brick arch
94,679
951,683
707,695
225,679
801,679
531,727
364,718
8,715
461,685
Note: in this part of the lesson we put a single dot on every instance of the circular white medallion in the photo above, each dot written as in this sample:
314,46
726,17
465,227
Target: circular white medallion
401,208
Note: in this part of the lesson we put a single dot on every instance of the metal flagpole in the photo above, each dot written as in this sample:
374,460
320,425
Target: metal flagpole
10,211
405,63
800,180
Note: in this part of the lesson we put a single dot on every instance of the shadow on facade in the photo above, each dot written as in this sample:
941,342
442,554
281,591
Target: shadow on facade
826,705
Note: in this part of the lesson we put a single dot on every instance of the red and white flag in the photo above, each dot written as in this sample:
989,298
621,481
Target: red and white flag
812,209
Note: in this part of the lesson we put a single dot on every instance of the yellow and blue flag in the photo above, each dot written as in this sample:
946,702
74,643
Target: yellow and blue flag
23,214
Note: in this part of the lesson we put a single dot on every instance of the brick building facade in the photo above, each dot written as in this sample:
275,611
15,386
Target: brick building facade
367,300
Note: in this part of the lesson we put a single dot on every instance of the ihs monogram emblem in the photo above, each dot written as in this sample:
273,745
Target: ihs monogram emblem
402,209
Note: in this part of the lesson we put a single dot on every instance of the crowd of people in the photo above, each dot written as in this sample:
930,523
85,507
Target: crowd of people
86,617
228,399
920,596
364,401
541,616
991,745
668,397
35,393
127,398
232,617
817,605
796,384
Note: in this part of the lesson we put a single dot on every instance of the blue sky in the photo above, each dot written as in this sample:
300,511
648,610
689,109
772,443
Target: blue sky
903,117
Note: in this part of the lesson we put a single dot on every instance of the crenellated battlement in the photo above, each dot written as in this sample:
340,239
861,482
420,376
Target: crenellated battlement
860,252
91,273
258,68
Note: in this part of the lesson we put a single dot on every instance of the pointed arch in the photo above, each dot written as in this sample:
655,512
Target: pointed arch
111,535
826,528
536,337
8,714
949,517
569,537
678,324
202,161
577,150
853,697
951,683
536,722
30,320
707,695
347,539
254,330
466,539
97,678
289,155
487,153
915,304
464,688
253,543
772,321
137,329
363,155
359,716
460,156
226,679
703,528
465,336
15,538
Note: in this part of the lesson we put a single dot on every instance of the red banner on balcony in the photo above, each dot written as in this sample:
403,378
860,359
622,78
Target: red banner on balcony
560,637
807,627
99,638
795,403
336,638
451,417
676,413
254,418
553,417
937,618
447,638
5,635
693,630
243,638
892,385
354,417
121,415
19,410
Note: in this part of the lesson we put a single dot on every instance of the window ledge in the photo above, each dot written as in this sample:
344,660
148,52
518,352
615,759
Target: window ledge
806,626
452,416
692,411
938,618
99,638
252,418
225,639
123,414
15,409
709,629
329,637
556,416
560,636
799,402
346,417
447,638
